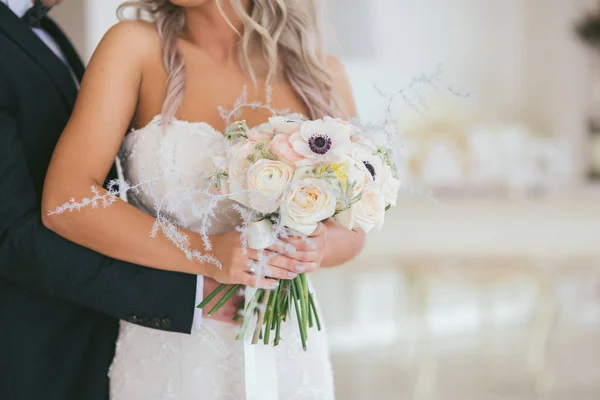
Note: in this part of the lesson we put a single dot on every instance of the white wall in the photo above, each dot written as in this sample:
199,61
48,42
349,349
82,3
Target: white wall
519,59
86,21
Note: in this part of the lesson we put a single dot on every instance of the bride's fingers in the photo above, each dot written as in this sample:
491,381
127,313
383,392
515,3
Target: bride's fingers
258,282
304,256
275,272
270,270
292,264
290,245
283,246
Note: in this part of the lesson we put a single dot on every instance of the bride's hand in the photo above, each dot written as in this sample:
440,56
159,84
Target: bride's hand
307,253
240,268
228,310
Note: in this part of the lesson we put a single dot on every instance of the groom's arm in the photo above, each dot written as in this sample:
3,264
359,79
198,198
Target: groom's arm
40,260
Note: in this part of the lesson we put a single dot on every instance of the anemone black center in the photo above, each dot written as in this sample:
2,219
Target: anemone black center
370,168
319,144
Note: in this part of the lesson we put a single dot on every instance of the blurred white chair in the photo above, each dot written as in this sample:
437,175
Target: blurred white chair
482,276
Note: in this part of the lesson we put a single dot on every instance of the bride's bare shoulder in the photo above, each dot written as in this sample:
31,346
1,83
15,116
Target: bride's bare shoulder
130,40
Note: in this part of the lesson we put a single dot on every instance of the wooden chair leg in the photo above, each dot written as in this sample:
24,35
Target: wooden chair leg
538,356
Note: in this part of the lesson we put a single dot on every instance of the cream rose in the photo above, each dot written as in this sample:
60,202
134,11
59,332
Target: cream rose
266,182
367,213
307,203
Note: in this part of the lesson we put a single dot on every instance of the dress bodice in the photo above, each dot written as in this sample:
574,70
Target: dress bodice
170,167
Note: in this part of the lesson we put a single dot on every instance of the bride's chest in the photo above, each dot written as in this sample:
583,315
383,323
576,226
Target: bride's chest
181,150
169,170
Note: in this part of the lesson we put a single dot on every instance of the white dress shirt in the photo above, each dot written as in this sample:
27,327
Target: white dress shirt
20,7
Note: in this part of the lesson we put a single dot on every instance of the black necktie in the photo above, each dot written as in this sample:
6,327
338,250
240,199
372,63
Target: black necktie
33,17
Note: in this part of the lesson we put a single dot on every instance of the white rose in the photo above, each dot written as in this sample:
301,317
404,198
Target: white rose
237,169
266,182
307,203
367,213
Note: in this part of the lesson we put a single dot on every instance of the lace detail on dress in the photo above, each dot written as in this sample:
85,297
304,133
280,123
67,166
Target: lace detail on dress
208,364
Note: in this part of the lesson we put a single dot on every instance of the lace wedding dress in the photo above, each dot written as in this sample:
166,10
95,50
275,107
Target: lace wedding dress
208,364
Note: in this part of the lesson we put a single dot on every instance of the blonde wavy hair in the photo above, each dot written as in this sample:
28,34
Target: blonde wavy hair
284,31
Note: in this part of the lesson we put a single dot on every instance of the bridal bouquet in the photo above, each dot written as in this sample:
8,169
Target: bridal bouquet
288,175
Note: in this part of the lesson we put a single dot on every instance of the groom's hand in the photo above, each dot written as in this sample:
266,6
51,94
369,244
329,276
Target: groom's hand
228,311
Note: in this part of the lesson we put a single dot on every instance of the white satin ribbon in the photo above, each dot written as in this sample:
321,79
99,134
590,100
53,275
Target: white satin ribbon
260,366
259,359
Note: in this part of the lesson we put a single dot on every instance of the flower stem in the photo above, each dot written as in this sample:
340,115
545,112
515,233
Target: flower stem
270,314
285,300
314,309
299,317
277,331
306,308
212,295
249,313
234,289
310,316
239,315
261,316
303,304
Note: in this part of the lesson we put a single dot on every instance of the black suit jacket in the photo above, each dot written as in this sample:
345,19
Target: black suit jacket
59,302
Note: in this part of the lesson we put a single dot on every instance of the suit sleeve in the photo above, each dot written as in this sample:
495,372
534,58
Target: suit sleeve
40,260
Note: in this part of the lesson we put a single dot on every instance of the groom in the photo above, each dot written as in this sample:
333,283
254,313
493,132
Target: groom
59,303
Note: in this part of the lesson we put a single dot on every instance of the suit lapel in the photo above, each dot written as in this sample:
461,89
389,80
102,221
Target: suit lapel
27,40
65,45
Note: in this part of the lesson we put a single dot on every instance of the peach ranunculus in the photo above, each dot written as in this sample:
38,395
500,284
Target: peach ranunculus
267,180
280,145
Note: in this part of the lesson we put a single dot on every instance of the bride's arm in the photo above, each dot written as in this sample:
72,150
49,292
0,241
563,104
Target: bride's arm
342,244
87,149
85,153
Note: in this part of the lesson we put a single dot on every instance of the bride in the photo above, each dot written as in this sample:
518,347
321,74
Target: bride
166,79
